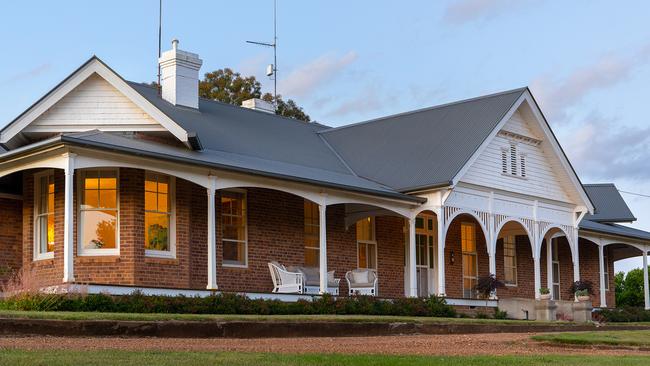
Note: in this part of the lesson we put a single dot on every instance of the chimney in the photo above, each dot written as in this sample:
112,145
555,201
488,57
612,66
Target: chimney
259,105
180,76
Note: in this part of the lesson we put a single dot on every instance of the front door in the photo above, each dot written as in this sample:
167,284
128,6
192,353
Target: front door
425,238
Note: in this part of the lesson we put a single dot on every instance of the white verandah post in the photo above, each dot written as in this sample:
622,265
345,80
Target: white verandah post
413,286
442,233
646,287
322,257
601,266
549,265
68,240
576,257
212,236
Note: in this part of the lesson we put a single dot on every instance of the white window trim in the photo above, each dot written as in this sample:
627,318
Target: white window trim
371,242
37,197
510,284
556,281
317,225
171,253
606,267
81,251
223,262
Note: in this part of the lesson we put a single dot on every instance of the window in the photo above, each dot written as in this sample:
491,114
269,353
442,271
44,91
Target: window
606,271
44,215
158,215
233,226
510,260
312,234
513,163
555,263
470,261
366,243
99,212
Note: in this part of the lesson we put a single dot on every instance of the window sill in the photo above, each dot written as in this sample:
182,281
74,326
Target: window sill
43,257
235,266
99,253
159,254
511,285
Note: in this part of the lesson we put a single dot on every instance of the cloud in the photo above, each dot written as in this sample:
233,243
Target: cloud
22,76
371,98
467,11
602,148
556,96
307,78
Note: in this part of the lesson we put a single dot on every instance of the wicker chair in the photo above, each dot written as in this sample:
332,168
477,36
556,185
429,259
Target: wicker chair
284,281
362,282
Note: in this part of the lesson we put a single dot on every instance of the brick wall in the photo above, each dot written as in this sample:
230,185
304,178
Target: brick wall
590,271
11,220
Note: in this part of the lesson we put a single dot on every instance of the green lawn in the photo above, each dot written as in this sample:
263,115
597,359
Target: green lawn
63,315
111,357
614,338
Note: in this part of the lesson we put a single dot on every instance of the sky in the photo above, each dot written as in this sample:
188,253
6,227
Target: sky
586,62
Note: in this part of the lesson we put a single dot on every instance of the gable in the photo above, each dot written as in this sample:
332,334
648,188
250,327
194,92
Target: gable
93,105
520,159
92,97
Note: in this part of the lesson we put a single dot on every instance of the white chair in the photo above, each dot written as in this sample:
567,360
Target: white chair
311,280
362,282
284,281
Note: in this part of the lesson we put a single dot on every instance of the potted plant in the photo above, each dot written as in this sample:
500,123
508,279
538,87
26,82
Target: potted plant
582,290
486,287
544,293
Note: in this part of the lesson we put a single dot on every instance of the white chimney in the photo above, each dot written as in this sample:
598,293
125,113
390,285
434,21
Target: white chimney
179,76
259,105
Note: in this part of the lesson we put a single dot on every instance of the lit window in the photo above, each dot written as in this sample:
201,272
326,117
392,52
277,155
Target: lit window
366,243
233,220
158,216
99,212
510,260
470,260
44,211
312,234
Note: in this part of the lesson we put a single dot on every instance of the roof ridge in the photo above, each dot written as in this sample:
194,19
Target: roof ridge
426,109
599,185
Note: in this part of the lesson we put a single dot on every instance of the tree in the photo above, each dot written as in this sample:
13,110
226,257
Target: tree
629,288
231,87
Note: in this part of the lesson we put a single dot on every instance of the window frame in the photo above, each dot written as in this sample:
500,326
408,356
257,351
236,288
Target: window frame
171,253
514,267
81,251
367,243
245,220
606,268
37,200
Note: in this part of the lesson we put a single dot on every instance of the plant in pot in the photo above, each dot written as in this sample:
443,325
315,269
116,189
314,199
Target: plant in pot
544,293
487,285
582,290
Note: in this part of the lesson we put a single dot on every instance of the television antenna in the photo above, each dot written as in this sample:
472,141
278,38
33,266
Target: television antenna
272,69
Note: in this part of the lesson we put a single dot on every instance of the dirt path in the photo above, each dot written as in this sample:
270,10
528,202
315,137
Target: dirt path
479,344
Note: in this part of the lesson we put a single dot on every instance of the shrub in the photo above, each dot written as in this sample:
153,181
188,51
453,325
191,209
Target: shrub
500,314
544,290
625,314
227,303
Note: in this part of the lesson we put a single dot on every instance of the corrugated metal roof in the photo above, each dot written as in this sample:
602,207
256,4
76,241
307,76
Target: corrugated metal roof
423,148
232,161
238,130
609,204
614,229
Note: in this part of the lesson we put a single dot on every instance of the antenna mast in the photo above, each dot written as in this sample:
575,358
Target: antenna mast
272,70
159,40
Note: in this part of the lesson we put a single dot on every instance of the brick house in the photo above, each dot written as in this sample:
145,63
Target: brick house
107,183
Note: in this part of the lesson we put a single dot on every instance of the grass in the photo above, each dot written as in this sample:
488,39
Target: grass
64,315
638,338
127,358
